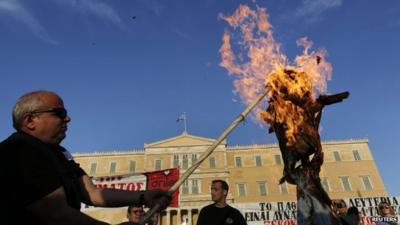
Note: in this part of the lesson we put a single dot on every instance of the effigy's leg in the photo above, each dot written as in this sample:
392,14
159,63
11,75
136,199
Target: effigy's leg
313,202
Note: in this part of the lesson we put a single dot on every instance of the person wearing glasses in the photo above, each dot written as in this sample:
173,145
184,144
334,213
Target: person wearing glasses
388,216
42,184
339,207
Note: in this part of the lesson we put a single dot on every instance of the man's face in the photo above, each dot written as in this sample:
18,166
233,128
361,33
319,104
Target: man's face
49,126
217,193
340,207
135,215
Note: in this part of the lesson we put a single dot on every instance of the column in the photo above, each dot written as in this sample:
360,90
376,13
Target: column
178,217
168,216
190,217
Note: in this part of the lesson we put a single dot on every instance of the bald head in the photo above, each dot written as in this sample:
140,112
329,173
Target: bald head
42,115
28,103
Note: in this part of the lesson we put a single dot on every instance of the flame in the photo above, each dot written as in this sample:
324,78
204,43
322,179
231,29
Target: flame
265,65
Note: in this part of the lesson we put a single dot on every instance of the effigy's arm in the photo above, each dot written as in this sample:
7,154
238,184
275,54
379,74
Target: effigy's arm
332,99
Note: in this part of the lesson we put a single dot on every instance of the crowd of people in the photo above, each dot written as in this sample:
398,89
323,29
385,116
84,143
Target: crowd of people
351,215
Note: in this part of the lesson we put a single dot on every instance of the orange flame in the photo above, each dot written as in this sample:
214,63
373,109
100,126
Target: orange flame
266,66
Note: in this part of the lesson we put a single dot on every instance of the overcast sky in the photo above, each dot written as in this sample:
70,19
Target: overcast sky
128,68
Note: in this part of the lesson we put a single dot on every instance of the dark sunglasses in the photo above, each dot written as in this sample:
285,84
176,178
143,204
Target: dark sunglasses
137,211
59,112
340,206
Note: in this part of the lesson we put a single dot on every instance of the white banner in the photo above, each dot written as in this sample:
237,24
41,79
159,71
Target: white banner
284,212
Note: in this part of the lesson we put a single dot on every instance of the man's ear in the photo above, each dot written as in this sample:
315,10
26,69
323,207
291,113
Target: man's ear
225,193
28,122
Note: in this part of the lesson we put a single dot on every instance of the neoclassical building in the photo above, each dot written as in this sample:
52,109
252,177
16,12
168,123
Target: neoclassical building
252,171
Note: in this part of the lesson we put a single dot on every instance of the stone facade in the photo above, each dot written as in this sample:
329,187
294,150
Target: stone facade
252,172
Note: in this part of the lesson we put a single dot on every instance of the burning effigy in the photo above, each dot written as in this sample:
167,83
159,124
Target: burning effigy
296,94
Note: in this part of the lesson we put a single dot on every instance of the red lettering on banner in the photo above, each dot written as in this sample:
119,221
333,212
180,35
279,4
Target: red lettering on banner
280,222
130,186
134,186
121,186
164,180
366,220
101,185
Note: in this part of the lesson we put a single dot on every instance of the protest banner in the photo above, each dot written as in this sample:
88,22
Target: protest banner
285,212
162,179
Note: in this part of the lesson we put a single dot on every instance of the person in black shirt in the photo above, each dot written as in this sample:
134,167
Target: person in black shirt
220,213
44,184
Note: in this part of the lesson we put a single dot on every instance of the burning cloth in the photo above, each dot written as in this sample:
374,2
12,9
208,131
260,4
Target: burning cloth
294,115
296,95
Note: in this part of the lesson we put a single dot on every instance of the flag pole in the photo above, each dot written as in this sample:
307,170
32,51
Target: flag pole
184,121
208,152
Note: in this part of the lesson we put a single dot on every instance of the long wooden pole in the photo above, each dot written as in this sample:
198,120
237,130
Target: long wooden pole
207,153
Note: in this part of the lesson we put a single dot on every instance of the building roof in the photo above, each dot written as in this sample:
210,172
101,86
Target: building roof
184,139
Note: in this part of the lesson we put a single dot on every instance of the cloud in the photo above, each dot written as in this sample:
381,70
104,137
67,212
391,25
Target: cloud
96,8
18,12
314,8
154,6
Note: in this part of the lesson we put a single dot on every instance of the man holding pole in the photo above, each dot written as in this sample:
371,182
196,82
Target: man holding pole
44,184
220,213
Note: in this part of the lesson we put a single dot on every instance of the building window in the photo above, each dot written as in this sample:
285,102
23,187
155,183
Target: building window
194,159
175,163
262,187
258,161
93,167
195,186
185,187
367,182
345,183
158,164
212,162
278,160
356,155
337,156
283,189
132,166
241,190
113,165
238,161
325,184
185,162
